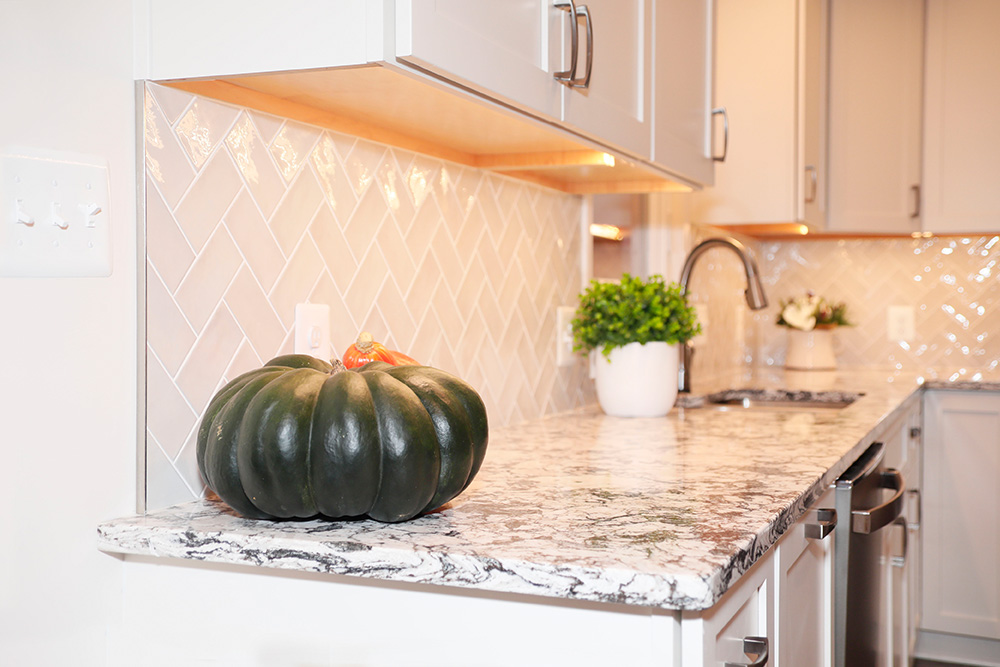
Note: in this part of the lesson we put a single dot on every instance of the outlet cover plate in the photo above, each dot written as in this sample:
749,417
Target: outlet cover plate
900,323
564,336
312,330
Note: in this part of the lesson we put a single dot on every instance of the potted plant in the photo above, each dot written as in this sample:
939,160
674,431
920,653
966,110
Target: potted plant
636,325
811,320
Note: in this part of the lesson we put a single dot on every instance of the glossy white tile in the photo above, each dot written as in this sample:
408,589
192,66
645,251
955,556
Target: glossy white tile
204,204
391,241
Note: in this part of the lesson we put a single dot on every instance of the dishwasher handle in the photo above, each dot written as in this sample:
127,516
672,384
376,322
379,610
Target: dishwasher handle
870,520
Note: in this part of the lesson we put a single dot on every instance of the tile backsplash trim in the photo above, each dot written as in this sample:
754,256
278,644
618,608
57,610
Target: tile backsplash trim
248,214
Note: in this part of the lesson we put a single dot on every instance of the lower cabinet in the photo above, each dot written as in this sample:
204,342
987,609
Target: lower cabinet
804,577
740,629
961,521
781,611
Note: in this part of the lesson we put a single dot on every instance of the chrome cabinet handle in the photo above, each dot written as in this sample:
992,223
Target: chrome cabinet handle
826,521
755,648
585,81
813,183
721,111
900,560
567,76
870,520
915,493
915,432
915,189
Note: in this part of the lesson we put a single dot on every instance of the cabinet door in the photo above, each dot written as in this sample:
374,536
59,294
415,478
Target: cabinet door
914,514
719,635
961,142
875,102
804,607
812,168
961,524
615,106
682,66
501,49
756,63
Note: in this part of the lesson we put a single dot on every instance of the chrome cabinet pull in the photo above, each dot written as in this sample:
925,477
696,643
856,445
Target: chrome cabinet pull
915,189
870,520
813,183
826,521
585,81
900,560
755,648
567,76
915,432
721,111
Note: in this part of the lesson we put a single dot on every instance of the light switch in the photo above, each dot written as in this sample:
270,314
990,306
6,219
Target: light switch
54,218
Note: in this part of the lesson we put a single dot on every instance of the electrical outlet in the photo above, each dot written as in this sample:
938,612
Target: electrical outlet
312,330
564,336
900,323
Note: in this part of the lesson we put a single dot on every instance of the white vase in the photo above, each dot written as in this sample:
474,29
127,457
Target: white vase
810,350
637,380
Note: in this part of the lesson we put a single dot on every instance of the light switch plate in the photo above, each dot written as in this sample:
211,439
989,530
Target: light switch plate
54,217
312,330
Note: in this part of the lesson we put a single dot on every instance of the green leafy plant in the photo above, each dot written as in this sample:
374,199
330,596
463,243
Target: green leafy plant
632,310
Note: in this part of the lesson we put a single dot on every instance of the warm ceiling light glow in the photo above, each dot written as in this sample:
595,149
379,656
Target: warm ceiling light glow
608,159
607,232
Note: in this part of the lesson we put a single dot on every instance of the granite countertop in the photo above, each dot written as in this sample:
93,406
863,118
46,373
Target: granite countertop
665,512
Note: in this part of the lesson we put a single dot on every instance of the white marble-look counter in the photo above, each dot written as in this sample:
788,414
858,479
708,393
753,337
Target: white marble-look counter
662,512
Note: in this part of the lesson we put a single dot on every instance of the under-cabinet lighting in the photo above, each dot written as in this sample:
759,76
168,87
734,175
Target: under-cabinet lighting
803,229
922,235
608,159
607,232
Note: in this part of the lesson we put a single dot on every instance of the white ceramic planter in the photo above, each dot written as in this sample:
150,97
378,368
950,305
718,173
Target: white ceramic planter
810,350
638,380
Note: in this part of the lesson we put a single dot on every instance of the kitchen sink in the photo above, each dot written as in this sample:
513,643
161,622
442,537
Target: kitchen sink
779,399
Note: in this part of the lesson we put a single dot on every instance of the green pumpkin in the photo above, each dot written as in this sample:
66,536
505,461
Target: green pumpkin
300,438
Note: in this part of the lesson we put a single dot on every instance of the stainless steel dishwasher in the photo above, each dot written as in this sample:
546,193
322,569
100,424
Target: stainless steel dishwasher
859,605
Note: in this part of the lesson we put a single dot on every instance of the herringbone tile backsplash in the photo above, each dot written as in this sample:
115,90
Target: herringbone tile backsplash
248,214
951,283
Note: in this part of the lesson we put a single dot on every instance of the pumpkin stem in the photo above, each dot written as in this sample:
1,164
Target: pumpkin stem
338,366
365,342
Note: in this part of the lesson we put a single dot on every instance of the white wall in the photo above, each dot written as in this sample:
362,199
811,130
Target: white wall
67,395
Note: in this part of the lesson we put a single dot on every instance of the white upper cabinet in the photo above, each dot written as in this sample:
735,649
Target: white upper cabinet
181,39
499,49
875,98
764,51
615,102
961,139
682,64
514,52
546,90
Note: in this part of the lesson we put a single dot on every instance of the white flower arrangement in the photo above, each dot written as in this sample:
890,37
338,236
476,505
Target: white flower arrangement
809,311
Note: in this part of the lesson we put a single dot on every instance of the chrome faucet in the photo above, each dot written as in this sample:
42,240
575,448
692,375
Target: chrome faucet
756,298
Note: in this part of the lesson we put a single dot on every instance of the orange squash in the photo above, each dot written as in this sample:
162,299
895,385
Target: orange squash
367,349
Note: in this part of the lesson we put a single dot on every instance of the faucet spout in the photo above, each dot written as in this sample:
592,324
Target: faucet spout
755,296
